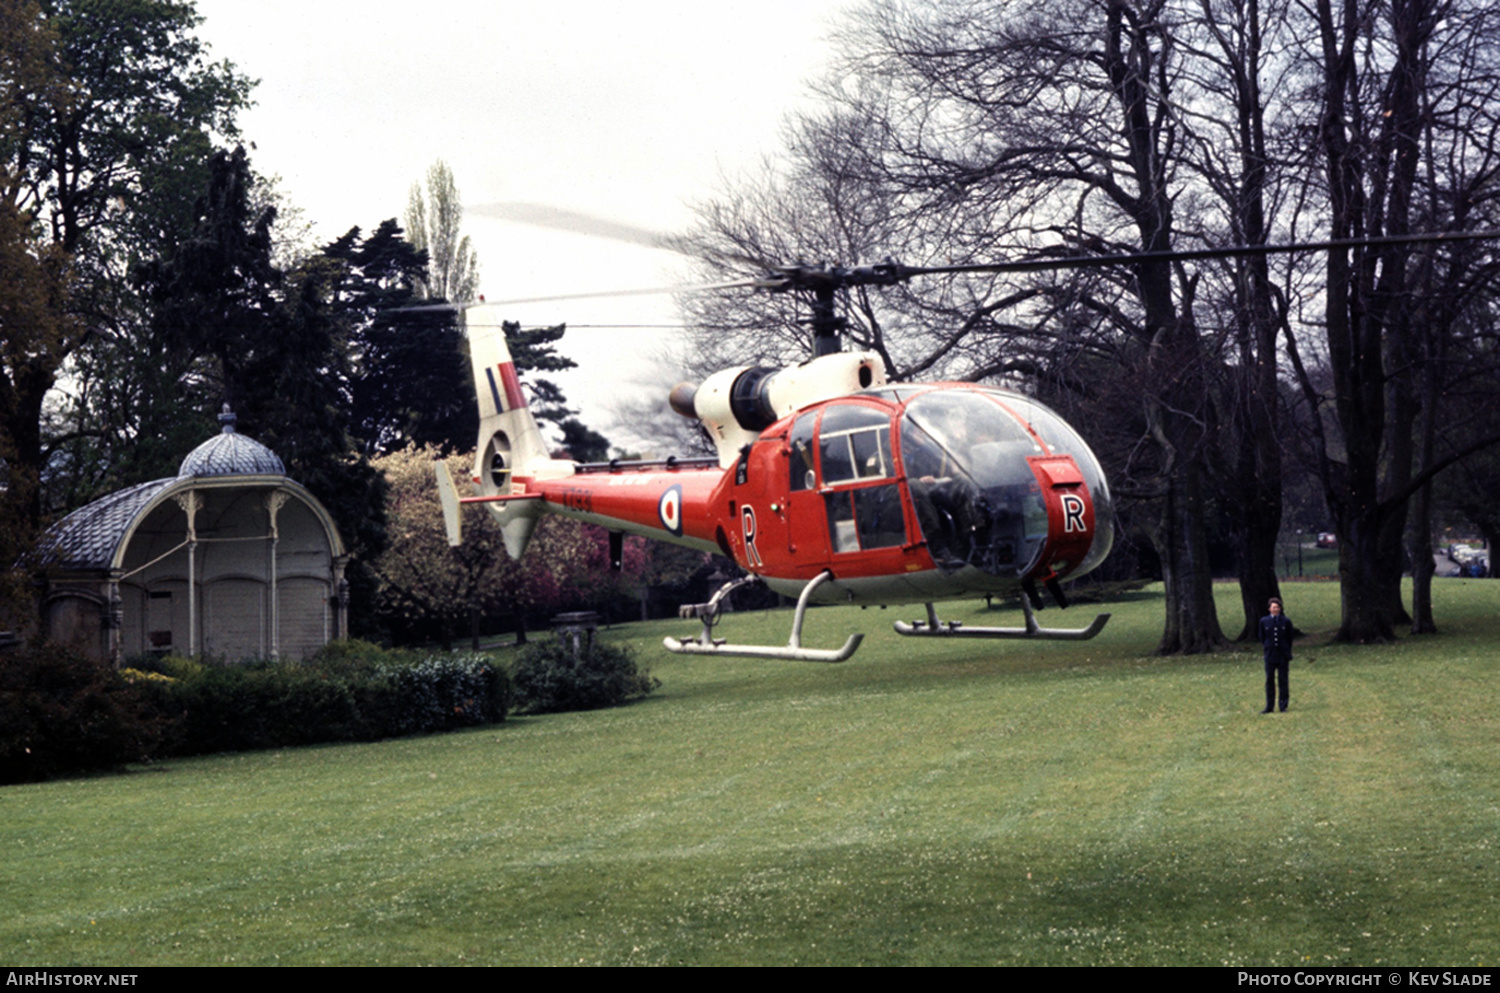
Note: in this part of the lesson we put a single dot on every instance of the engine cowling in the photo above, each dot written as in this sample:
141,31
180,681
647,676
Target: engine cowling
736,405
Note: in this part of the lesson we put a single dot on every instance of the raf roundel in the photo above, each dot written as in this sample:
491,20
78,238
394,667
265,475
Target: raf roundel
669,509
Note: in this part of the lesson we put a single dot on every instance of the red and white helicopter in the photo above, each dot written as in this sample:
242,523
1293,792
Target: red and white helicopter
830,485
833,485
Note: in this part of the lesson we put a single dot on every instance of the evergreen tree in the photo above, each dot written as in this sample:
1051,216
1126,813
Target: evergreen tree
410,381
535,350
109,109
583,443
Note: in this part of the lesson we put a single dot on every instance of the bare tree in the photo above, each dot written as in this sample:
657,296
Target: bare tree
1237,120
1393,79
956,132
1451,334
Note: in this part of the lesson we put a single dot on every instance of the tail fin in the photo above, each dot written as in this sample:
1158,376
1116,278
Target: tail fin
510,444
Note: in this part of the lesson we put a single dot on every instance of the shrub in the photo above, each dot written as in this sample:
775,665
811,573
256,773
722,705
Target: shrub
354,692
547,680
60,713
443,692
230,708
353,655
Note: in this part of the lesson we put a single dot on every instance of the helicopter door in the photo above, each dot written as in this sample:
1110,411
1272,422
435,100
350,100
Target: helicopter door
1071,512
807,538
861,497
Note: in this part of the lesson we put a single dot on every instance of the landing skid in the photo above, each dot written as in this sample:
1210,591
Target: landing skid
708,613
934,628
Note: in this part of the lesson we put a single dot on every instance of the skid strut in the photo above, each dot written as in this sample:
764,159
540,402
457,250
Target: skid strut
934,628
708,613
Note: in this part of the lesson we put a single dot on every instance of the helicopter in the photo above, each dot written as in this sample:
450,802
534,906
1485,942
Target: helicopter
830,484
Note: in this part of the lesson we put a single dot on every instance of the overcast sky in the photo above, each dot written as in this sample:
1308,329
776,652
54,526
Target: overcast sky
628,111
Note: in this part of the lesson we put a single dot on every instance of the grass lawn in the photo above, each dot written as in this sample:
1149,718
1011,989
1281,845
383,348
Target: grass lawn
1310,563
927,802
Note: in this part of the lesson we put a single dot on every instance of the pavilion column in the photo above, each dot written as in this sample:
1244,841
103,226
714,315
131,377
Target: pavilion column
340,598
114,620
274,501
190,501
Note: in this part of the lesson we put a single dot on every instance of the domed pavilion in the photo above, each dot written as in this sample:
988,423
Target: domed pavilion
229,558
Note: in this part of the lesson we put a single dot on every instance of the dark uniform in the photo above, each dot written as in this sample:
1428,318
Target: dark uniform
1276,640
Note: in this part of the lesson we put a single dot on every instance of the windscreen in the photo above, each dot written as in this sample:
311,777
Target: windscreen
975,496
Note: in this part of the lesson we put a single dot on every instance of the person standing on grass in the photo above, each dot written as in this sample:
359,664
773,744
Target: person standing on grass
1276,640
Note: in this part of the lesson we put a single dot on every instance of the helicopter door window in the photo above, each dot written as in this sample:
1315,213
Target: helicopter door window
801,440
854,443
865,518
872,452
878,513
842,533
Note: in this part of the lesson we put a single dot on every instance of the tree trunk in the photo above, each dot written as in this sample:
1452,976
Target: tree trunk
1192,622
1256,554
1423,567
1371,173
1419,530
1400,453
1254,431
1362,587
1256,503
23,407
1393,563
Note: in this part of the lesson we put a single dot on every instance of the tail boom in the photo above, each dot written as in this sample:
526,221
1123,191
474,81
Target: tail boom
518,481
669,506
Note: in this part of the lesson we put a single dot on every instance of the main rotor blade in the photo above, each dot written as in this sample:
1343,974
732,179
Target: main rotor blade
431,308
768,282
573,221
765,283
828,277
1052,263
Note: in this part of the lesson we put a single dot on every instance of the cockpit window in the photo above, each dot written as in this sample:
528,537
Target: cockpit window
854,443
895,394
963,419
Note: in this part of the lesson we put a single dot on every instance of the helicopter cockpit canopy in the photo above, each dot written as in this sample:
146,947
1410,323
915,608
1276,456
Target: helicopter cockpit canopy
968,456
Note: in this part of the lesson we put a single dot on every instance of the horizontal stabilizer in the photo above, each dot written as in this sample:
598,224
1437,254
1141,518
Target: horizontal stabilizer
448,497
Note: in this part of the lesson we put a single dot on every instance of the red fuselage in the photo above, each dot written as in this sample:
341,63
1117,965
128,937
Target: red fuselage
905,494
